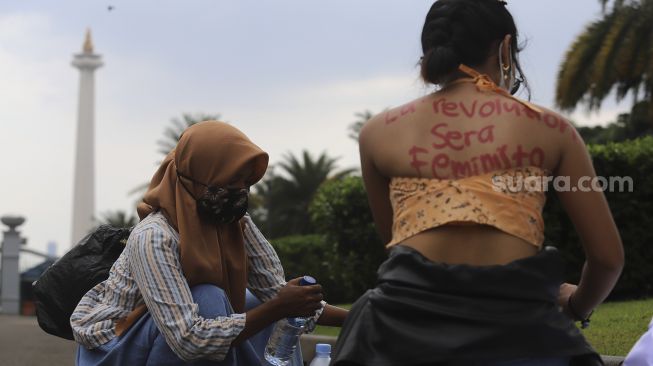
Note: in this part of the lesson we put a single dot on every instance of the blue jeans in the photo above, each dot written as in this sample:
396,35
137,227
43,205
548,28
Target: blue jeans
143,344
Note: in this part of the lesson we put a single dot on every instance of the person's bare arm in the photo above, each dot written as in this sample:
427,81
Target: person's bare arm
591,216
376,184
257,319
333,316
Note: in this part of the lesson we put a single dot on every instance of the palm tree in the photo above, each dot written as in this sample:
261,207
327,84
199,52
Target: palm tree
172,133
118,219
613,53
617,3
170,138
355,128
286,197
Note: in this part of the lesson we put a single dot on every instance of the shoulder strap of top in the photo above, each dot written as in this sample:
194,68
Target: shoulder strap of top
484,83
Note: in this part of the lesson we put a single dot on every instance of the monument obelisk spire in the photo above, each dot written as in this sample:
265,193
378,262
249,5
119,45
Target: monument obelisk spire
84,185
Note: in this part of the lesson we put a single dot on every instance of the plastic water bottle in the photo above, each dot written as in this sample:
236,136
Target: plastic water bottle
322,355
285,335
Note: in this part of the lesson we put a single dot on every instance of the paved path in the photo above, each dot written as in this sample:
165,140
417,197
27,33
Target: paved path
23,343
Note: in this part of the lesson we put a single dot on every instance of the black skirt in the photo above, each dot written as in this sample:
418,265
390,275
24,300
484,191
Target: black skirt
426,313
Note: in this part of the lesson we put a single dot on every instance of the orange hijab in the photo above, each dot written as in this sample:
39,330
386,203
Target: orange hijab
212,153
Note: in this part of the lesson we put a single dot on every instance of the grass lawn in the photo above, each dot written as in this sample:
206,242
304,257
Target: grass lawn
615,327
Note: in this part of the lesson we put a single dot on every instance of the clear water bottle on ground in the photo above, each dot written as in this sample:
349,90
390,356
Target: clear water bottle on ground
322,355
285,335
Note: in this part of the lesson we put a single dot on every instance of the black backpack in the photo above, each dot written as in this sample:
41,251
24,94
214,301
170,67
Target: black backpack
60,288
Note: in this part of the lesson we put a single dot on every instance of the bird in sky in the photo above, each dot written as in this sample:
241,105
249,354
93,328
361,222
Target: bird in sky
110,7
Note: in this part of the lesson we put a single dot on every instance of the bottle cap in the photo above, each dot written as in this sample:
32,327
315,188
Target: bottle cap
307,281
322,348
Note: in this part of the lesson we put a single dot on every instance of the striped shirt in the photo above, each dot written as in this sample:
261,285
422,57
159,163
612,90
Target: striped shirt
149,271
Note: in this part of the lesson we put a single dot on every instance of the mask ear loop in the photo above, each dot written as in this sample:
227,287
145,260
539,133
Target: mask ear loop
181,177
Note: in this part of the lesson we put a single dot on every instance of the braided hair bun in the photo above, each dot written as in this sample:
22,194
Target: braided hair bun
463,32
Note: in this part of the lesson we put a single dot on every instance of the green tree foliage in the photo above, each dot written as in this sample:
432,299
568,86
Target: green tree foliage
613,53
285,197
311,255
628,126
341,213
631,211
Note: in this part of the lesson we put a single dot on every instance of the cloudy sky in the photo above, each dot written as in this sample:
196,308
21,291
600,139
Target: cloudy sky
291,74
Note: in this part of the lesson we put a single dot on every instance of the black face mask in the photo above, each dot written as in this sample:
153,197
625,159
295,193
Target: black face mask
219,205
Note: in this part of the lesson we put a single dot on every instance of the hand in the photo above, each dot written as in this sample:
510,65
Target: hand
566,290
295,300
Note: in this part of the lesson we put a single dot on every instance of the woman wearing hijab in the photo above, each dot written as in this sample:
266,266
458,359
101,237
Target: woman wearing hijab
197,280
